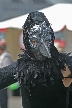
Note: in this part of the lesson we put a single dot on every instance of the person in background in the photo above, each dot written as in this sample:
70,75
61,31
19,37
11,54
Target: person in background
5,60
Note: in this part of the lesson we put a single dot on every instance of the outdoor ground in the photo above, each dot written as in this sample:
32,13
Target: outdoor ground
14,102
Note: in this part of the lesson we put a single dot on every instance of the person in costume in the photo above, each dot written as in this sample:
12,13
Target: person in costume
43,73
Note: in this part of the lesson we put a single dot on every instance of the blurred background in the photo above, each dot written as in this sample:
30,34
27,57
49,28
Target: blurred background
12,17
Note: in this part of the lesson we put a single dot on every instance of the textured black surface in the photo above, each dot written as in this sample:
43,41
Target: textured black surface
36,18
41,81
37,89
43,87
7,75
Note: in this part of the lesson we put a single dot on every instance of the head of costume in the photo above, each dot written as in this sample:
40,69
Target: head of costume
38,36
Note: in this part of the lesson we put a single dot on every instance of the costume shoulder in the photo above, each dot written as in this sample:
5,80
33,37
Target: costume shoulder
69,61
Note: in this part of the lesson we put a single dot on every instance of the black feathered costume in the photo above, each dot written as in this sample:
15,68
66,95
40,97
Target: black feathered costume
38,69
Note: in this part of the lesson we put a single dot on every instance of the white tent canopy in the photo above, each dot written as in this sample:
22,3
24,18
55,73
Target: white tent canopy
59,15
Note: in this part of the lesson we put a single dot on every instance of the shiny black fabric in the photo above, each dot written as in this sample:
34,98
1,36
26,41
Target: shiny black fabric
34,71
45,92
41,96
44,30
41,81
7,75
39,88
70,96
69,63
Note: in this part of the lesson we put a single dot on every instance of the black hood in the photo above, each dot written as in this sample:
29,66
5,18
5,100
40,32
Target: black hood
32,19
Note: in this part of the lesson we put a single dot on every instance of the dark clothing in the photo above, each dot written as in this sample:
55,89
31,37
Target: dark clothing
70,97
41,96
40,91
3,98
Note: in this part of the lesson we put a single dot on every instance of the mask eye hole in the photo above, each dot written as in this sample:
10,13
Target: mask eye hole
47,41
34,42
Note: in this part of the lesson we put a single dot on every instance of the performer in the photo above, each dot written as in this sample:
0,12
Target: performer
43,72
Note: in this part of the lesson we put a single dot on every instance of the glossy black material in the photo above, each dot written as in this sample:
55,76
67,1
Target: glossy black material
7,75
41,80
